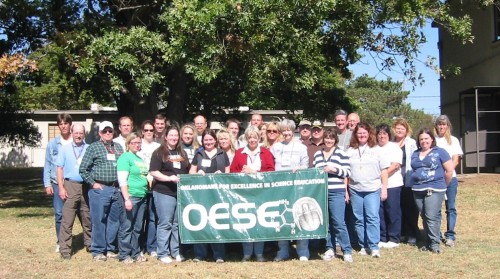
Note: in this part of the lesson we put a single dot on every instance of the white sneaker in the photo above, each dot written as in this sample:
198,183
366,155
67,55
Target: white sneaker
153,254
362,252
348,258
391,245
328,255
375,253
178,258
166,260
57,248
382,244
303,259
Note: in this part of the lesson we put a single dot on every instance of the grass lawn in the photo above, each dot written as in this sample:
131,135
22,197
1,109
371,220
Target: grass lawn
27,244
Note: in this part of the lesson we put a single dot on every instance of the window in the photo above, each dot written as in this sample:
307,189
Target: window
496,21
53,131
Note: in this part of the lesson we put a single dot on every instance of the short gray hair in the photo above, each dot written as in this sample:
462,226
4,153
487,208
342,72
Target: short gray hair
286,124
252,131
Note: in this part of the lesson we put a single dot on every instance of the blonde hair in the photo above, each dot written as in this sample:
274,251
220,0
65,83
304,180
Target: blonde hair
131,137
231,138
272,125
194,143
443,119
404,123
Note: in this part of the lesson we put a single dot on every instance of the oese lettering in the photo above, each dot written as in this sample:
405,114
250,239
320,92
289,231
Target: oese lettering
244,216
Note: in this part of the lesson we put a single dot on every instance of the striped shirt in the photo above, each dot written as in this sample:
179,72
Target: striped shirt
338,160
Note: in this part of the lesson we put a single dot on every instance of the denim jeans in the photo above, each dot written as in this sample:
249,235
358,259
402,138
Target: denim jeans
250,247
58,205
201,250
337,226
151,222
130,229
365,206
302,248
390,216
409,214
451,209
430,210
350,222
167,230
106,211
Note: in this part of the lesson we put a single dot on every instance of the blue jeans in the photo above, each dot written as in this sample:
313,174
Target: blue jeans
430,210
337,226
365,206
302,248
58,205
390,216
409,214
250,247
130,229
151,221
201,250
451,210
167,230
106,211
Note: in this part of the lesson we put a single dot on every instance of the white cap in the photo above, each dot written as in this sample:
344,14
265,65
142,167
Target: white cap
105,124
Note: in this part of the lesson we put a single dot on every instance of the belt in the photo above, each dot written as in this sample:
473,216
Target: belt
108,183
73,181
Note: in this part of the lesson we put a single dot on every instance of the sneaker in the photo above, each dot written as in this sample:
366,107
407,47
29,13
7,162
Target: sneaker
412,241
111,255
328,255
127,260
197,260
179,258
166,260
141,259
57,248
99,258
153,254
375,253
219,261
348,258
66,256
246,258
303,259
450,243
362,252
390,245
260,259
382,244
278,259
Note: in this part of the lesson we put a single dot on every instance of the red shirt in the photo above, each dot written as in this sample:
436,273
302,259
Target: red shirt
240,159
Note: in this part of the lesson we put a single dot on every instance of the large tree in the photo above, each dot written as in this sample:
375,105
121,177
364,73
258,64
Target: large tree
208,55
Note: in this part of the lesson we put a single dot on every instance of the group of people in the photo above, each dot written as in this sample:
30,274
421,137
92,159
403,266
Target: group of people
124,189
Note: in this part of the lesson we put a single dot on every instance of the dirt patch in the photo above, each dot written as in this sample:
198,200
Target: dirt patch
479,179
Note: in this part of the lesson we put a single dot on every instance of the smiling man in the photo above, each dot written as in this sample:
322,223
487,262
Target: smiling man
64,122
98,169
343,133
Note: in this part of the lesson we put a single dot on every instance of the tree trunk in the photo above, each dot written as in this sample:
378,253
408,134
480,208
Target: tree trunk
176,103
138,107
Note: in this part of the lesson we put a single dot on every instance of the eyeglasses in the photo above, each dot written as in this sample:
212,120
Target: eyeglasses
107,131
149,130
272,131
135,142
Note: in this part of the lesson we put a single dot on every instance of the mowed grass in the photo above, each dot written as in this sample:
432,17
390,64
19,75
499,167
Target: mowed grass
27,244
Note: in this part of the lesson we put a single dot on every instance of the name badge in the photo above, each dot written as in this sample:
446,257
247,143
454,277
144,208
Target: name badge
111,157
206,163
177,165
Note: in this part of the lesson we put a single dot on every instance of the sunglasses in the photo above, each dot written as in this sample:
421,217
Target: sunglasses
272,131
107,131
149,130
135,142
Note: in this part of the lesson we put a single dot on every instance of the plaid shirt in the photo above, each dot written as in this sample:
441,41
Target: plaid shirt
95,164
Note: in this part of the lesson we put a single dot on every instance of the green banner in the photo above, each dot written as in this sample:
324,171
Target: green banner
253,207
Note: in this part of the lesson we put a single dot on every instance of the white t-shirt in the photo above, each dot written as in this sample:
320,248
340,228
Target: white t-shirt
147,151
394,154
453,149
367,164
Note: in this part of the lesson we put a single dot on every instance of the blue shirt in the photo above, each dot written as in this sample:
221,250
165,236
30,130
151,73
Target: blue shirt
49,168
428,173
69,158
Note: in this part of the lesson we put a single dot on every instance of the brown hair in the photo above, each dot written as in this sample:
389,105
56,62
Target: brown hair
372,138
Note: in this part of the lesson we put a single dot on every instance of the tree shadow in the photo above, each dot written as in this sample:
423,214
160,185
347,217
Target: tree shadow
22,187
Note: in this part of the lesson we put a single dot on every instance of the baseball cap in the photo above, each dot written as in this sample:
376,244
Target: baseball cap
304,122
317,124
105,124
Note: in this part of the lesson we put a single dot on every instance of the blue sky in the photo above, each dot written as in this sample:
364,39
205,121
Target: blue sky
425,97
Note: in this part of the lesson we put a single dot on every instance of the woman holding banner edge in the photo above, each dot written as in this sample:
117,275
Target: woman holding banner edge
252,159
290,154
209,159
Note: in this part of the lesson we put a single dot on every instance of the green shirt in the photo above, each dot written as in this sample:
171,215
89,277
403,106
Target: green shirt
137,172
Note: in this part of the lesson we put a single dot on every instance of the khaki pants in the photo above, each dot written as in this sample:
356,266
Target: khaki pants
77,202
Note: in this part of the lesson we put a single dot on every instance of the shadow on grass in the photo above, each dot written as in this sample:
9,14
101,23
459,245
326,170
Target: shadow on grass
22,187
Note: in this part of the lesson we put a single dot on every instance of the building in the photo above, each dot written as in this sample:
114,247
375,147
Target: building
472,99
